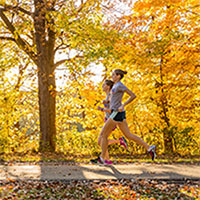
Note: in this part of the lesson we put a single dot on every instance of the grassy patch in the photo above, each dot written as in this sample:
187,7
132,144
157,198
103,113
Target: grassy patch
71,158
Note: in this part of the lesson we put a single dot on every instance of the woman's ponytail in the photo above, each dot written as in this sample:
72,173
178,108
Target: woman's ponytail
120,72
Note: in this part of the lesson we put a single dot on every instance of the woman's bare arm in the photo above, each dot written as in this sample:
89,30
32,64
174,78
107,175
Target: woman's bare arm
131,98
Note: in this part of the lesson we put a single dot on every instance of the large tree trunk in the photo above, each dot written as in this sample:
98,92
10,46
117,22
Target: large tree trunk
47,109
168,139
167,132
45,39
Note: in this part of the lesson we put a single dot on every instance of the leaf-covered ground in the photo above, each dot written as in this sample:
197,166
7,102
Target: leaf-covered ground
88,190
110,189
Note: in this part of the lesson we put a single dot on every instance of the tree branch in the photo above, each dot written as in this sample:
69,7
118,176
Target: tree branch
7,38
51,40
63,45
15,8
18,40
21,71
60,62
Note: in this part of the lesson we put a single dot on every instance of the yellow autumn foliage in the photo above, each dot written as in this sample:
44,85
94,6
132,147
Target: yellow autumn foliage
158,44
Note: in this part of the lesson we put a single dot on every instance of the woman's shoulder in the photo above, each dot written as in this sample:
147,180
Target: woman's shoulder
120,84
108,96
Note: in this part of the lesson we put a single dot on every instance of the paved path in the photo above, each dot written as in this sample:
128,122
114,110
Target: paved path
89,171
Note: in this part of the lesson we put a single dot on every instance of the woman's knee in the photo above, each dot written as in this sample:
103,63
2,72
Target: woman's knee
128,135
105,134
99,141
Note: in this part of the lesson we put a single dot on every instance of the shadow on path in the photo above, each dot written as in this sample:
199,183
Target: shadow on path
92,172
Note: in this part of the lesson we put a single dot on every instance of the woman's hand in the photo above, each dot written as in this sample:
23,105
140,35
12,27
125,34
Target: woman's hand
105,102
121,108
100,108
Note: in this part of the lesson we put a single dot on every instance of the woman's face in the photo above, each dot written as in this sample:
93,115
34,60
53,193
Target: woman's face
115,77
105,87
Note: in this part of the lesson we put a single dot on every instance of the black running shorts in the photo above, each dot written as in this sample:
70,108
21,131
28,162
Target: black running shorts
118,116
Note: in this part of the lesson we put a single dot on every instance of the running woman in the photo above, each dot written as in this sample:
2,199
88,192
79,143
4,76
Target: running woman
117,116
107,86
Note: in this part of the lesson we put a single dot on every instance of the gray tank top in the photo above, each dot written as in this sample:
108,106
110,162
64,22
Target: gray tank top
117,93
107,114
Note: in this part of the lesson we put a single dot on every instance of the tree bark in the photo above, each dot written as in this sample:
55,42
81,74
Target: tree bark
168,140
44,59
47,109
45,40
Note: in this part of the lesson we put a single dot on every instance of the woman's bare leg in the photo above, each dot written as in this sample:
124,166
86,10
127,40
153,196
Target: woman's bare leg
113,141
105,132
125,130
109,141
107,157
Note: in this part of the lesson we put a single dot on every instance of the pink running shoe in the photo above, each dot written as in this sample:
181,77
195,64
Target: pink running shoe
152,151
123,142
108,162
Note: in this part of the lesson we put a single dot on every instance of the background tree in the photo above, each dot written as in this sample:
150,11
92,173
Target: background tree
160,48
156,42
43,29
18,116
